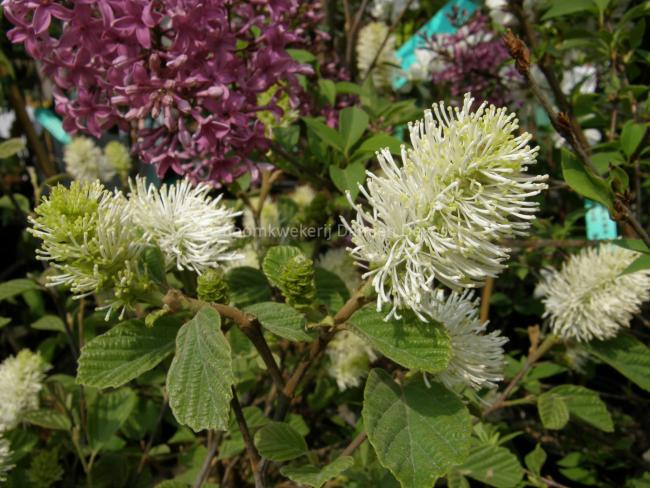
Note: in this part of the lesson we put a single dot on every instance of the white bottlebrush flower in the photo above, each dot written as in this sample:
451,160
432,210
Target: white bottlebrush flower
350,358
339,262
439,216
193,230
477,357
5,458
85,161
390,10
303,195
369,43
21,379
588,298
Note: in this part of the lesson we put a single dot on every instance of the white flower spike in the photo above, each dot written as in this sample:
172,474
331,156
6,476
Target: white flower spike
477,357
192,230
588,298
21,379
439,216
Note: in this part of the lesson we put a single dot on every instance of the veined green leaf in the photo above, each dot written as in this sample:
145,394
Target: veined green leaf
315,477
126,351
627,355
275,261
418,432
407,341
282,320
200,377
278,441
493,465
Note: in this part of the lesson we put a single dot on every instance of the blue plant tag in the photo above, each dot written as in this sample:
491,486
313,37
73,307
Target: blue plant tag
438,24
52,124
600,225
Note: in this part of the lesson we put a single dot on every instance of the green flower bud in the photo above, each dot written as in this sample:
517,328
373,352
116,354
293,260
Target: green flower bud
118,158
297,281
211,286
45,470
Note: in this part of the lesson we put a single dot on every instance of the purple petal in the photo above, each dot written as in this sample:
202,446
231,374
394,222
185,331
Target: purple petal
42,19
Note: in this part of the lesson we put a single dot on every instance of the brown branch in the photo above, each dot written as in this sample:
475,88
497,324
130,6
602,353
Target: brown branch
571,132
356,442
352,36
214,439
43,160
534,354
486,294
251,450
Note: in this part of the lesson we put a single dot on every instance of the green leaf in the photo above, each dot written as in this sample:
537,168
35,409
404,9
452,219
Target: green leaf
154,262
633,245
584,183
275,261
10,289
602,5
200,377
325,133
562,7
301,55
49,322
330,289
248,285
282,320
535,459
349,178
553,411
106,414
48,419
327,90
407,341
640,263
279,441
316,477
627,355
493,465
418,432
584,404
126,351
353,122
378,142
11,146
631,136
4,321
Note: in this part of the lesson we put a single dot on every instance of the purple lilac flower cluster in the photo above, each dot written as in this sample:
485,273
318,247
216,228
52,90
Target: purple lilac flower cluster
184,76
472,60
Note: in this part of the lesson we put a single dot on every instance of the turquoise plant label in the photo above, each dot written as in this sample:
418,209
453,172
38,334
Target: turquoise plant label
600,225
438,24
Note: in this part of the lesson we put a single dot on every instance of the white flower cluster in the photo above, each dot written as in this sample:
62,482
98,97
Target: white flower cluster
5,458
350,359
95,239
85,161
477,358
589,298
21,379
390,10
192,230
369,48
438,218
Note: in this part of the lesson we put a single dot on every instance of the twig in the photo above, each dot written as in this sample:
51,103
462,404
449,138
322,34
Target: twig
42,158
352,36
534,354
253,455
486,294
569,130
356,442
147,448
547,481
214,439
